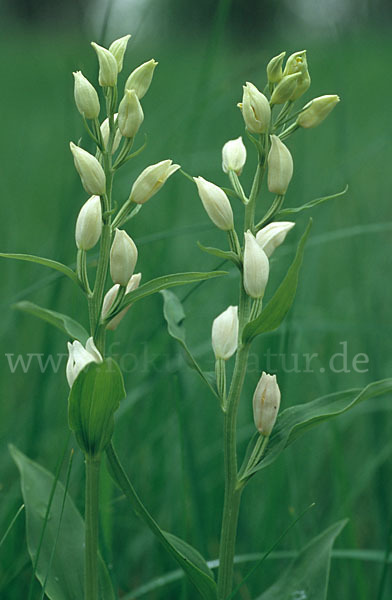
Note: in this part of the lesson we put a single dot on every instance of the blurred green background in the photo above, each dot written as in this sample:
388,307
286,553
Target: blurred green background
169,427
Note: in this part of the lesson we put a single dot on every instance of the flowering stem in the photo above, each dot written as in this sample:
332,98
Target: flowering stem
91,525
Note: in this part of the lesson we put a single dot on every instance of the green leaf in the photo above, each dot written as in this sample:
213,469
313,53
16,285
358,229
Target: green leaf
45,262
307,576
162,283
277,308
296,420
93,400
290,211
174,314
69,326
189,559
225,254
65,581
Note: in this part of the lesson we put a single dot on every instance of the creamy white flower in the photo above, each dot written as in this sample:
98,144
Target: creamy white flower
266,403
90,171
118,48
108,67
79,357
255,108
123,257
317,110
273,235
105,132
224,335
89,224
216,203
130,114
280,167
285,89
234,156
151,180
86,97
140,79
256,267
274,68
110,296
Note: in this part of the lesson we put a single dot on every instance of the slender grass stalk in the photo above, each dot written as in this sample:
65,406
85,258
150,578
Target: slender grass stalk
91,525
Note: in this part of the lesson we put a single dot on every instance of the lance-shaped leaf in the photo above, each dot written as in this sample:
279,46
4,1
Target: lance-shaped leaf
189,559
286,212
225,254
63,322
296,420
277,308
307,576
45,262
93,400
163,283
174,314
66,575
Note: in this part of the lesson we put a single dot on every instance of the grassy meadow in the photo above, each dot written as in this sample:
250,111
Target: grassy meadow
168,428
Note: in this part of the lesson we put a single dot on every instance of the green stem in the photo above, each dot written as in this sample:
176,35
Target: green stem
232,491
91,525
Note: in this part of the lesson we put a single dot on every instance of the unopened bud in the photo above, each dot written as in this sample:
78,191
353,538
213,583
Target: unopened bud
274,68
110,297
297,63
256,267
234,156
105,132
108,69
151,180
89,224
280,167
130,114
216,203
86,97
273,235
317,110
285,89
225,333
90,170
266,403
140,79
255,109
118,48
79,357
123,257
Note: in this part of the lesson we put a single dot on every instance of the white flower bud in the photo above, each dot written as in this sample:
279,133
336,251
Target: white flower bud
273,235
266,403
86,97
105,132
255,109
234,156
256,267
80,357
123,257
140,79
225,333
130,114
274,68
216,203
285,89
317,110
89,224
90,170
151,180
280,167
297,63
108,69
110,296
118,48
